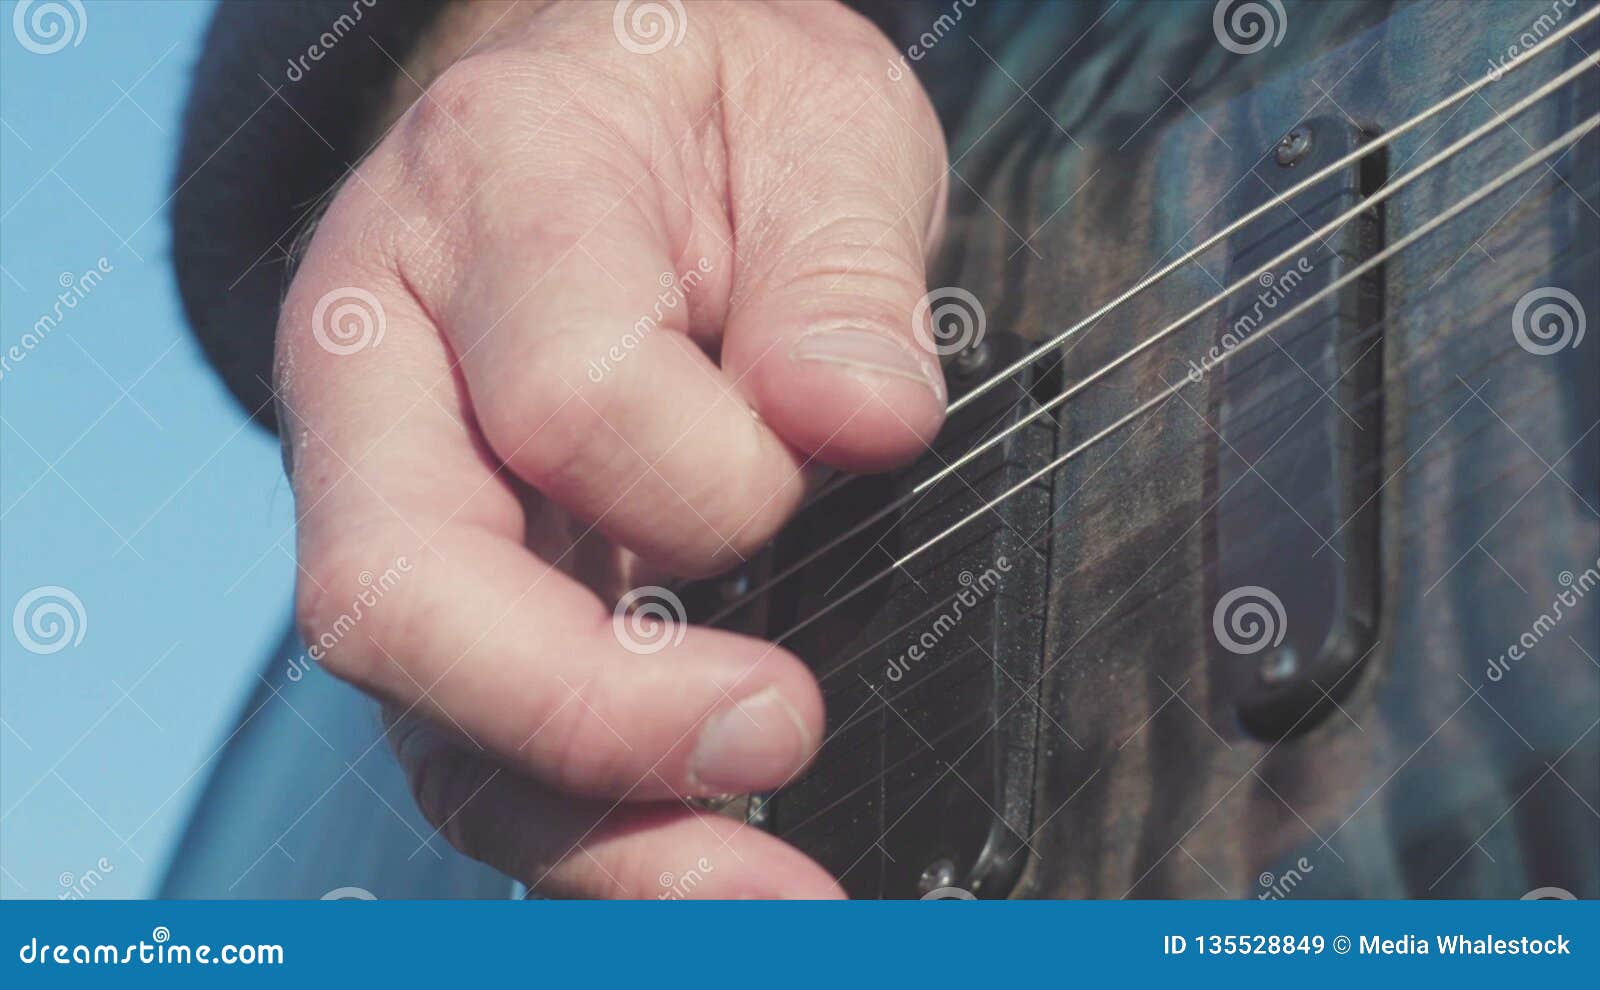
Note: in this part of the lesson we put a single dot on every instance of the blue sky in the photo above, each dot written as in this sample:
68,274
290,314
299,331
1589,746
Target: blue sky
127,476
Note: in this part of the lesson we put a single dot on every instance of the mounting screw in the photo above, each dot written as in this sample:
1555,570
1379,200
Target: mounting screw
1293,147
1280,665
939,873
971,362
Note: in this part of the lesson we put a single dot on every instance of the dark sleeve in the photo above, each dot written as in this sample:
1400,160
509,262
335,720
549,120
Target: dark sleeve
283,103
280,107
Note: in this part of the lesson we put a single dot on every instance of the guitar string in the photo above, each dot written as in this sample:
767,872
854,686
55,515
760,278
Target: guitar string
1437,452
1209,474
1533,160
1319,234
1344,161
1259,538
832,756
1378,142
1372,464
1336,224
828,760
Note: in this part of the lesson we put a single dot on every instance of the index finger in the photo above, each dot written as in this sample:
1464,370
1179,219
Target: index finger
415,584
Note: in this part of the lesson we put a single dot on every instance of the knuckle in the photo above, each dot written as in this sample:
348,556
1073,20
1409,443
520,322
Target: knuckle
460,128
531,414
858,241
475,94
873,261
443,784
583,747
336,591
348,261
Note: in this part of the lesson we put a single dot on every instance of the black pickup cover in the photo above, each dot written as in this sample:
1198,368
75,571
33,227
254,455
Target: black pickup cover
930,675
1293,543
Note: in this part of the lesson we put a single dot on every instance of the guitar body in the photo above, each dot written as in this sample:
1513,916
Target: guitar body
1399,489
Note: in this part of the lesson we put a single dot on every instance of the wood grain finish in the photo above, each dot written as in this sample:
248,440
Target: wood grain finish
1435,780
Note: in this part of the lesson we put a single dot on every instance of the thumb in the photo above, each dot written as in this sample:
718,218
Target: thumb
835,207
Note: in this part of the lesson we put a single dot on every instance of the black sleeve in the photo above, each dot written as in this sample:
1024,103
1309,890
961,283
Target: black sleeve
280,107
283,103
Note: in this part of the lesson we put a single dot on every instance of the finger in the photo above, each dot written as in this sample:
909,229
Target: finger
838,209
572,304
562,846
415,585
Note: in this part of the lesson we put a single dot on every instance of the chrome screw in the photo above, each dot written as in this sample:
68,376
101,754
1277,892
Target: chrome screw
1293,147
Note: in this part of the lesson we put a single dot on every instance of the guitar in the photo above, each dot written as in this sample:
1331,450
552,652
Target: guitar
1258,557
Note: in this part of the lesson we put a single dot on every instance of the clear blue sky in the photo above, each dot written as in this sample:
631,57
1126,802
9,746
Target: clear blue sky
127,476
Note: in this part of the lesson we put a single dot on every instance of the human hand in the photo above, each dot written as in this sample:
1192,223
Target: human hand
589,315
